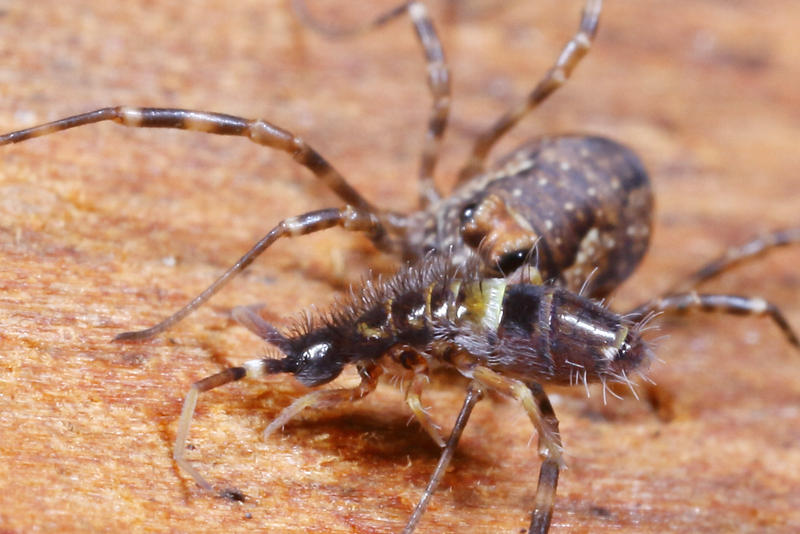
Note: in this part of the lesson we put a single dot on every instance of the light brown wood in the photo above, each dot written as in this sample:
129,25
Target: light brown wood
105,229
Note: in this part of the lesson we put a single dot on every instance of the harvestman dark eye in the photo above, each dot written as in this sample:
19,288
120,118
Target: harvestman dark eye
502,275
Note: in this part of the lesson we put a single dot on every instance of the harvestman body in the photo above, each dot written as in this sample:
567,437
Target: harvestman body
525,234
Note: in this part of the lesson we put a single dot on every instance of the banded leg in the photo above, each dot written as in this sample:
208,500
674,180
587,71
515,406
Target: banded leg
548,472
733,304
258,369
474,394
438,79
348,218
258,131
439,85
555,77
739,254
250,369
543,417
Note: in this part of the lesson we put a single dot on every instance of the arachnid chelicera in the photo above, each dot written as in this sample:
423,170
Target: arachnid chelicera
504,261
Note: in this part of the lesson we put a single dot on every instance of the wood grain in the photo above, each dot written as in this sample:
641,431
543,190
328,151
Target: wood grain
104,229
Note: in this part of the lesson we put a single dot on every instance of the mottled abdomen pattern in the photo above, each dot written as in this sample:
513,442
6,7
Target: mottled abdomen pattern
584,203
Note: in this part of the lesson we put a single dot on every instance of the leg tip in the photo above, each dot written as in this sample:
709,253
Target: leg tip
232,494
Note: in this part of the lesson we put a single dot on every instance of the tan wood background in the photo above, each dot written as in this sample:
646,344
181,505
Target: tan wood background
104,229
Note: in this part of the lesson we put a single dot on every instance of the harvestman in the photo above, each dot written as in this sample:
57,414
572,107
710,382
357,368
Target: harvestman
550,215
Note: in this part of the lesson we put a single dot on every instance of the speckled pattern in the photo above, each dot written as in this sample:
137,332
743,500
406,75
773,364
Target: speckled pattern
105,229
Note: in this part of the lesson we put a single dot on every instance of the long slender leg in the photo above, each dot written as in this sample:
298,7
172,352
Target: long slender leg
251,369
474,394
438,79
439,84
348,218
258,369
541,414
548,472
549,439
338,32
733,304
258,131
558,74
739,254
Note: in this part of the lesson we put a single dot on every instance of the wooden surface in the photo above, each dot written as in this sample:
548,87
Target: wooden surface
104,229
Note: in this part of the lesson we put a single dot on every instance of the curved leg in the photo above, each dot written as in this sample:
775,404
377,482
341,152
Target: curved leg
541,414
258,369
545,423
740,254
253,369
474,394
359,215
340,32
347,218
438,79
733,304
558,74
413,362
414,401
258,131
